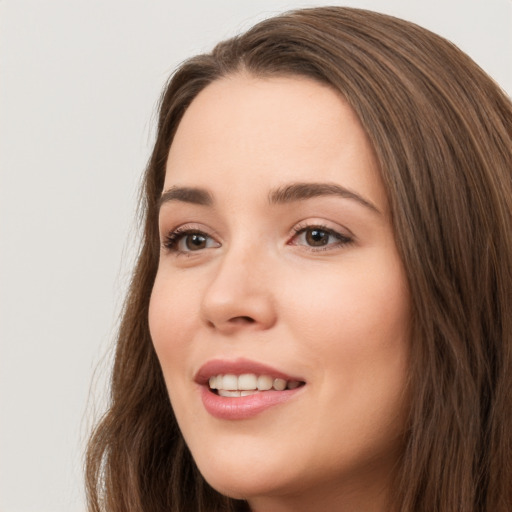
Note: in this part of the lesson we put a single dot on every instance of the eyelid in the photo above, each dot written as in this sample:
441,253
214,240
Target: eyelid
320,223
342,234
170,239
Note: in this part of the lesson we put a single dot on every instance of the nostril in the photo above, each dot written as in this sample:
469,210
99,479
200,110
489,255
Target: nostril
242,320
232,323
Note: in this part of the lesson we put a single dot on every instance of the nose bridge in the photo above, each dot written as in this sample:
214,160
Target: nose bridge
239,292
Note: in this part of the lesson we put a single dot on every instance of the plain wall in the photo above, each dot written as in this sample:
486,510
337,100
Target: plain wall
79,83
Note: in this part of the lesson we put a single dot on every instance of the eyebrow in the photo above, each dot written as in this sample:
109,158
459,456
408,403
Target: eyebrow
300,191
187,195
290,193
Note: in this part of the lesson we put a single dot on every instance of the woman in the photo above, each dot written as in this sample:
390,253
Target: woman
324,287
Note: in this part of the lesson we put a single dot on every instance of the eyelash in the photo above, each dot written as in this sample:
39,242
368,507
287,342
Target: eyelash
342,240
172,240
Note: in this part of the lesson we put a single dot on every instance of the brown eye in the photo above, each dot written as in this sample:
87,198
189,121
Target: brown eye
195,241
182,241
317,237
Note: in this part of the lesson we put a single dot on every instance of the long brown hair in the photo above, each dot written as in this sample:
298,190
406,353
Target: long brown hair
442,133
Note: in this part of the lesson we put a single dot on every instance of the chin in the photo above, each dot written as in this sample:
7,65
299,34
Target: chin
244,479
242,485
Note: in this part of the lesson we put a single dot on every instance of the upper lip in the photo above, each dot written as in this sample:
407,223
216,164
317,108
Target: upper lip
238,367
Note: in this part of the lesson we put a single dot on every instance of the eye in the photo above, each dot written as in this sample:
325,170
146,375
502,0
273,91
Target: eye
319,238
184,240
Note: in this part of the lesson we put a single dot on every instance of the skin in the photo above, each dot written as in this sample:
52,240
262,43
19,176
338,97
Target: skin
335,315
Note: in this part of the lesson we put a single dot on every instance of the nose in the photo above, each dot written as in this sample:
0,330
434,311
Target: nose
240,294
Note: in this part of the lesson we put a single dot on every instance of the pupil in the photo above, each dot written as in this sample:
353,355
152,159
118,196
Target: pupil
317,237
195,242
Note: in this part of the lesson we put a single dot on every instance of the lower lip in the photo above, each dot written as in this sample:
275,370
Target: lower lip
244,407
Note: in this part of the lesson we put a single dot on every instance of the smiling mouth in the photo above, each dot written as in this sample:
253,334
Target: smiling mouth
230,385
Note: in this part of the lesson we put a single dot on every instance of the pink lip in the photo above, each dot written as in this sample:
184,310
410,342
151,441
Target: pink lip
238,408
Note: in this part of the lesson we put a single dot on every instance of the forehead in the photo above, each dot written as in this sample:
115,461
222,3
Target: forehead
251,130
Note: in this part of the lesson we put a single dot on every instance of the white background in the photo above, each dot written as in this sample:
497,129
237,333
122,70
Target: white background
79,82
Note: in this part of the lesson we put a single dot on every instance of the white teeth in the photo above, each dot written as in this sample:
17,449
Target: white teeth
279,384
249,392
264,383
225,392
247,381
229,382
248,384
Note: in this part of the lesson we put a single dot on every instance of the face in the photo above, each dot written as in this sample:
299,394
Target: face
279,269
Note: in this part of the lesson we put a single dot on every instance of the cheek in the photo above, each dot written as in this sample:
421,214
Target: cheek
354,307
173,313
354,328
